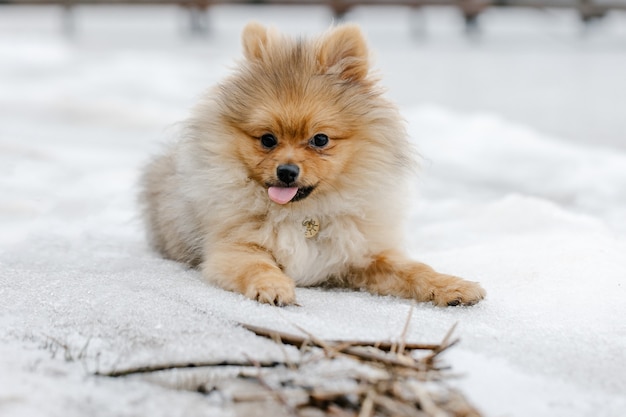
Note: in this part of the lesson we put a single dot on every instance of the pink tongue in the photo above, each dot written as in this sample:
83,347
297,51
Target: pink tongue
282,195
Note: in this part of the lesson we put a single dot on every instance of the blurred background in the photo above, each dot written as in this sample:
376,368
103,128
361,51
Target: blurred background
556,66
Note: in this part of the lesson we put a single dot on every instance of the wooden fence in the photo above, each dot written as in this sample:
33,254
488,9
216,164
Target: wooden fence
587,9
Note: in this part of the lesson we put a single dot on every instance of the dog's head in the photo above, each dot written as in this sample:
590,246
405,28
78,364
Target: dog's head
300,110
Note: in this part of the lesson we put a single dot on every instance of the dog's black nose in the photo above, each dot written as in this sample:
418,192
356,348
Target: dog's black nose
287,173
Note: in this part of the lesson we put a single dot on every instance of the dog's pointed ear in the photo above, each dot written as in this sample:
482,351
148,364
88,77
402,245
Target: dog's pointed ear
254,39
344,51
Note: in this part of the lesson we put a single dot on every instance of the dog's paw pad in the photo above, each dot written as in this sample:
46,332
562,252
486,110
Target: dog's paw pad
274,289
459,292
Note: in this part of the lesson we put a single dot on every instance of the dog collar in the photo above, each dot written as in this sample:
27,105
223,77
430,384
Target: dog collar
310,227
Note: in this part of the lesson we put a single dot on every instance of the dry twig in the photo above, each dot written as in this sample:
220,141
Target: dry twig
402,344
187,365
298,341
384,379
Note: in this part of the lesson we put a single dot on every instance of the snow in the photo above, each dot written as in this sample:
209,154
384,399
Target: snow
516,191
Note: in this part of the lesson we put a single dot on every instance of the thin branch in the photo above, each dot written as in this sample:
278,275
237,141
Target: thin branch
395,407
381,358
367,407
298,341
330,349
449,334
278,395
426,402
444,345
402,345
186,365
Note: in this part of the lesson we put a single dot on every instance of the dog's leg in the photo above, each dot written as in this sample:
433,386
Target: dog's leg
390,273
251,270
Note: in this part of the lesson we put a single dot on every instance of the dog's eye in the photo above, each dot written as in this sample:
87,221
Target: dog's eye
269,141
319,141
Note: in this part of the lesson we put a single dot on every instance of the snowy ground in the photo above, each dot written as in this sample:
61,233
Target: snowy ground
523,188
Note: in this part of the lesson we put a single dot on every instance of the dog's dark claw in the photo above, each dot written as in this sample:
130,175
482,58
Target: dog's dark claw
454,303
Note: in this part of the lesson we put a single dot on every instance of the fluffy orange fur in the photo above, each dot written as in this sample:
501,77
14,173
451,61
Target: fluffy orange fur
208,199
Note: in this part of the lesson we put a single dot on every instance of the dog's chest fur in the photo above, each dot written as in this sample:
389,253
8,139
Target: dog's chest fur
338,245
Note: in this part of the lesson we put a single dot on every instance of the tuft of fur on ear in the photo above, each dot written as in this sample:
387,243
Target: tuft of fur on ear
344,51
254,39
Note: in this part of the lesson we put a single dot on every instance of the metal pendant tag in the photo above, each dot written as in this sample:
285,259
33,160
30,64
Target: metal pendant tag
311,227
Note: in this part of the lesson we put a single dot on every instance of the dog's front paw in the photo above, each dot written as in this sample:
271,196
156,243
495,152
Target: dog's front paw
272,288
454,291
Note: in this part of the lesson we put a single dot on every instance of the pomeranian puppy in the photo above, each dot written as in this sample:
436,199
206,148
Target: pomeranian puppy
293,171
